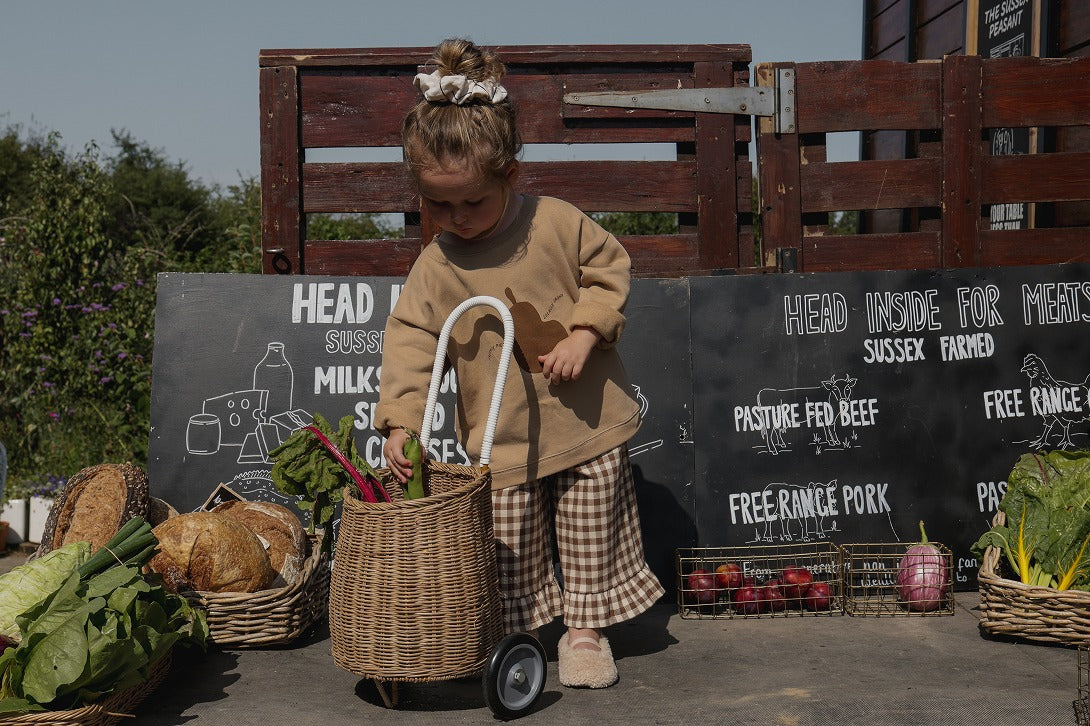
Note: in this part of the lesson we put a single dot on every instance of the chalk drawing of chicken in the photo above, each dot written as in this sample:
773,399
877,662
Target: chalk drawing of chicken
1057,418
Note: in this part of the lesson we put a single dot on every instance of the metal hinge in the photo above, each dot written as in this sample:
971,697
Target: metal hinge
777,102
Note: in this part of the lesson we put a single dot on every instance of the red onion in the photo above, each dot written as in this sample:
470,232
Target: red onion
921,576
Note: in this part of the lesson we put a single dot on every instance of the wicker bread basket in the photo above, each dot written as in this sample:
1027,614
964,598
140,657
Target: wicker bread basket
111,710
269,617
1010,607
414,594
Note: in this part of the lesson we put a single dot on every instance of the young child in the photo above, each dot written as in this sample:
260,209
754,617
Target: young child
559,458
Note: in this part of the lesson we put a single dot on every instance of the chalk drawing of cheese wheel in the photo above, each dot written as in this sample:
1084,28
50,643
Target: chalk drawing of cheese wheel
238,412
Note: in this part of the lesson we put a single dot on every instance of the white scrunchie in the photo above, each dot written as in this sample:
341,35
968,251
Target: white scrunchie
457,89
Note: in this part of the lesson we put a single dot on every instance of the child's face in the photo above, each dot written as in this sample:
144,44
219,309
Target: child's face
464,201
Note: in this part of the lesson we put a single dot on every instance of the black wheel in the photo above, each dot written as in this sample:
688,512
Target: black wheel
514,676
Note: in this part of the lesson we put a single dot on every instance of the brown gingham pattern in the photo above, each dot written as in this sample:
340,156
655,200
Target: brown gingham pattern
591,511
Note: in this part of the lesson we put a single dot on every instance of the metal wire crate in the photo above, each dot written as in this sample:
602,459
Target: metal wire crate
871,581
718,582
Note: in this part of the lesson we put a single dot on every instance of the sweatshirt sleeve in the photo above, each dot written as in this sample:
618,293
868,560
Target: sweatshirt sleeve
408,353
605,272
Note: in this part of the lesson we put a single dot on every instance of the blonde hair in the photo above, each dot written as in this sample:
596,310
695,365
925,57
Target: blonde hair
481,133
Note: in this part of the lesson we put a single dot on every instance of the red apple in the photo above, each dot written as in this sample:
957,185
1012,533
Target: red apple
750,600
819,596
701,587
774,597
728,576
796,581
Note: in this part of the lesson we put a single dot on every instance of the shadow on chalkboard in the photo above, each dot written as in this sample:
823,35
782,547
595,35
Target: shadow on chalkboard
666,526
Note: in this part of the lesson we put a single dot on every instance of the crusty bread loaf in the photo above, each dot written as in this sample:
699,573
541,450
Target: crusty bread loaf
278,528
159,511
210,552
93,505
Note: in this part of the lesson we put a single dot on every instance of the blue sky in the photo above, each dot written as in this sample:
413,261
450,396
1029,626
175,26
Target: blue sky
182,76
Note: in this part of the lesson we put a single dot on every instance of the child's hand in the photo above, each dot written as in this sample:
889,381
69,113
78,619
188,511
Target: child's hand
394,451
565,361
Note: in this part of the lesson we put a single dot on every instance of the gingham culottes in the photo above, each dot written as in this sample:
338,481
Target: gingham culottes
591,512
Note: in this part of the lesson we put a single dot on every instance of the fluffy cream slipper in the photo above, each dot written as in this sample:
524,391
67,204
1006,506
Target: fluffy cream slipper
586,668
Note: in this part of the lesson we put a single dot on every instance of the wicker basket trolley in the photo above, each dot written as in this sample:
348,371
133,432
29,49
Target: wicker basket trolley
414,593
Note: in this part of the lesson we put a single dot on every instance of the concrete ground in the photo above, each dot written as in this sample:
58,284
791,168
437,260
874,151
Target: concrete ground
793,671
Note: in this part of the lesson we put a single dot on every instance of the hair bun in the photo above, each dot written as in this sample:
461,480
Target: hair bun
462,57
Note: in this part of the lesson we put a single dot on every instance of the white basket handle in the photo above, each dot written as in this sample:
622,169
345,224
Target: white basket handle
501,374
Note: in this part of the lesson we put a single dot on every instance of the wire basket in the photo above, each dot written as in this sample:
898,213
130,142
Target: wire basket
1082,699
871,584
759,581
415,589
111,710
275,616
1012,608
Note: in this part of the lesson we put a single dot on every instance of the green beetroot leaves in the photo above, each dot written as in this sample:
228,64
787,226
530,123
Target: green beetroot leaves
303,467
1047,505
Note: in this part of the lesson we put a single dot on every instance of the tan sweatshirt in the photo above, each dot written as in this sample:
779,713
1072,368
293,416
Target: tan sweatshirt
555,268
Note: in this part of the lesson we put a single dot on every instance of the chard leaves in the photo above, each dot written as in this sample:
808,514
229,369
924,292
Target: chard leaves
1047,530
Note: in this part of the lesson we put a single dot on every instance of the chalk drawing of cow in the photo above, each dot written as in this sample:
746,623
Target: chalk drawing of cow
840,389
803,519
832,391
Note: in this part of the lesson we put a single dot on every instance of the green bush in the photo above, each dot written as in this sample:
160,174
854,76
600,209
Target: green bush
80,248
82,238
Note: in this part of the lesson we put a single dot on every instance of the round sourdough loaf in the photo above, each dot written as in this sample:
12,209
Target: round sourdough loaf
210,552
278,528
93,505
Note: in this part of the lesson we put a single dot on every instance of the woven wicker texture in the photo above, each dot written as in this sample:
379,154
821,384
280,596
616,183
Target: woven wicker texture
1010,607
414,594
269,617
112,709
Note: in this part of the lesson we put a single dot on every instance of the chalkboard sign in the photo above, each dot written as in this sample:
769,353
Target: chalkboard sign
850,406
840,407
241,361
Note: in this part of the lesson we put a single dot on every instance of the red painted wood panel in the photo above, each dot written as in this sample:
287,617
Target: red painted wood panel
1062,177
1036,91
356,98
910,250
867,95
852,185
280,160
961,160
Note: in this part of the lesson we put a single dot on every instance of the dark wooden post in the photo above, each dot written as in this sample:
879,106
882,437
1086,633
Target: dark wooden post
779,185
716,188
961,160
281,223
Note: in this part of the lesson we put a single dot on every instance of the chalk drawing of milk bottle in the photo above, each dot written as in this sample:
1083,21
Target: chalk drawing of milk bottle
275,375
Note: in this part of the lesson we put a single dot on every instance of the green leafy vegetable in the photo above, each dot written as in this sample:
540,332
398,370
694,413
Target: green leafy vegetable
414,452
31,583
98,630
1047,505
303,467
